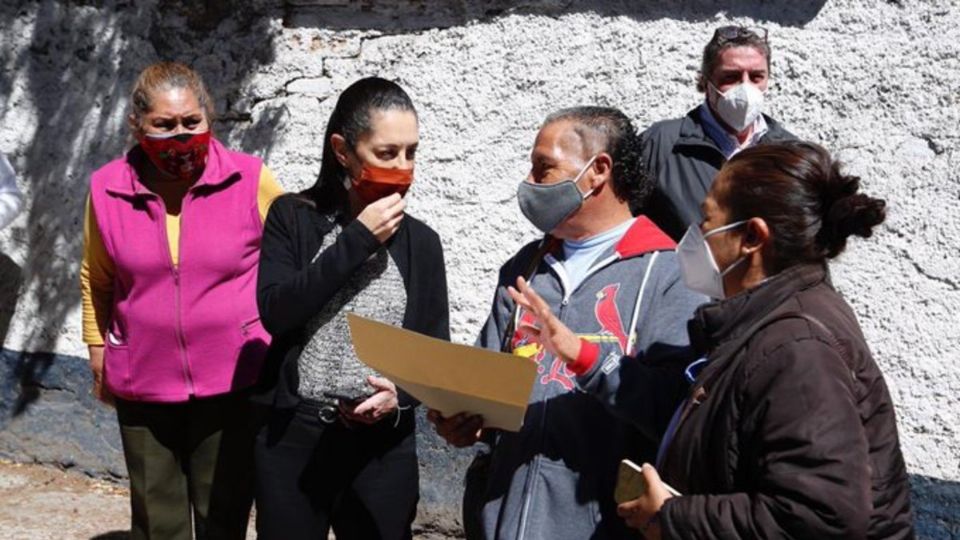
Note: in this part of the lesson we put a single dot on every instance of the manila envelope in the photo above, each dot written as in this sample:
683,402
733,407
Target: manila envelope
445,376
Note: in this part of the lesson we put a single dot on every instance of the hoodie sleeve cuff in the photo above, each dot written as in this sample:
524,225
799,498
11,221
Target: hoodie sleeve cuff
589,352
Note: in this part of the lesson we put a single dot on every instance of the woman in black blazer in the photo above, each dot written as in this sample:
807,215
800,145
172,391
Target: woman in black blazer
339,447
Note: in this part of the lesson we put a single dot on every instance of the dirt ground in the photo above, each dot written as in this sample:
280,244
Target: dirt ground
39,502
45,503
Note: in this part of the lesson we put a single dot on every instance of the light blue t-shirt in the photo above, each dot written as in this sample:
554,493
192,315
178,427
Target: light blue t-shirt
579,255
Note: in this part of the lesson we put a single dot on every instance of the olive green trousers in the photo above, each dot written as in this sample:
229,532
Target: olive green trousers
190,466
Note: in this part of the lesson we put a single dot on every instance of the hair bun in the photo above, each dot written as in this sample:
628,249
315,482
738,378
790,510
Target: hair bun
848,212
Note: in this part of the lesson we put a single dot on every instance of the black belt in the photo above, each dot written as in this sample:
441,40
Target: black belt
327,412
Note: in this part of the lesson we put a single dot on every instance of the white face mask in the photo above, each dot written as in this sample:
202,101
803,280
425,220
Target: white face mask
739,106
697,265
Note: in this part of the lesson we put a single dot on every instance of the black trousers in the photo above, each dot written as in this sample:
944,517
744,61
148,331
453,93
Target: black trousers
190,466
362,481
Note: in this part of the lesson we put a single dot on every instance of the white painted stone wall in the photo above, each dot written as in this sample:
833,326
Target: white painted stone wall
876,81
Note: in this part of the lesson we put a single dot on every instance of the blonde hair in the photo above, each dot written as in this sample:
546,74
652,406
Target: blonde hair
167,76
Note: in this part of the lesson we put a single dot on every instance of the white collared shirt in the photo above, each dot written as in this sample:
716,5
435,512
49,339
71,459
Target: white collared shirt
726,142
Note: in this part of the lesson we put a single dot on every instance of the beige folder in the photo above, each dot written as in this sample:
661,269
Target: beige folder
445,376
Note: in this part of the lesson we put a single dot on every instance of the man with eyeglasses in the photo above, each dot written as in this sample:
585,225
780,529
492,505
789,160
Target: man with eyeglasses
684,154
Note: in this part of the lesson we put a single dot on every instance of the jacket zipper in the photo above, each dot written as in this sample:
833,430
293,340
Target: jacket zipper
532,474
561,274
175,270
693,401
534,470
181,341
557,269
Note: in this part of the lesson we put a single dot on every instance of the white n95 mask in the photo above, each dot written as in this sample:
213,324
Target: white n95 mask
698,267
739,106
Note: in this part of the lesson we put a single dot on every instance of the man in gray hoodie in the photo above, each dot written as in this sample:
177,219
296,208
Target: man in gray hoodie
614,280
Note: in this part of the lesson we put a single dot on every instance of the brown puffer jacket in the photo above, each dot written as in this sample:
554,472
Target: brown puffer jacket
789,430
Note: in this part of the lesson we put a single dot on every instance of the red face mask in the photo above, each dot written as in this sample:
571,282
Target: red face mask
181,156
376,182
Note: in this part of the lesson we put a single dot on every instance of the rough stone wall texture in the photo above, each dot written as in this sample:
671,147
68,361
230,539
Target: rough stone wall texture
876,81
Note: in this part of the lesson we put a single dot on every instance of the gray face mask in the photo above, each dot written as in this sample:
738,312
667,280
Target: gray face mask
547,205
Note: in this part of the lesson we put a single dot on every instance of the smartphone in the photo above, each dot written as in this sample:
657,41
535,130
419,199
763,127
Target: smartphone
343,398
631,485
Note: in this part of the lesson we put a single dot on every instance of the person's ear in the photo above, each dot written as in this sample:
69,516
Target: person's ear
341,150
756,235
602,169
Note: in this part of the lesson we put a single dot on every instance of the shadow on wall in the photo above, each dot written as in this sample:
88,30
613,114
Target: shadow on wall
75,71
410,15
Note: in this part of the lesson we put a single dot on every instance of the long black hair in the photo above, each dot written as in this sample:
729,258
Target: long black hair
351,119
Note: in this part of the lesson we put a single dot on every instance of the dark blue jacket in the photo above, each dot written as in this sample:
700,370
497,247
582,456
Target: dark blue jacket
684,161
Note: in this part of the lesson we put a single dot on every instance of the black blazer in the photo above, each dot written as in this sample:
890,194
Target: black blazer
684,160
292,287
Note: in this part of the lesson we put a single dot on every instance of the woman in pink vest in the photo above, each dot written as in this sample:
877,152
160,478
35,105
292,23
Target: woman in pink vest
169,272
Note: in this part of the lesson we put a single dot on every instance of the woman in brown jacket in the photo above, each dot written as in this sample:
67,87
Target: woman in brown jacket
788,430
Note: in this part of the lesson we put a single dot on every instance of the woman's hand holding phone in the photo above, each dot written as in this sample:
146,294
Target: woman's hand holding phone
372,409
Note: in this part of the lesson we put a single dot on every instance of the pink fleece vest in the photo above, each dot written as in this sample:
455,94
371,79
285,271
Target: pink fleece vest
192,329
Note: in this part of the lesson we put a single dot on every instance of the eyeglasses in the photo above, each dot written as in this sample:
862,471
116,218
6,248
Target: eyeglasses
735,33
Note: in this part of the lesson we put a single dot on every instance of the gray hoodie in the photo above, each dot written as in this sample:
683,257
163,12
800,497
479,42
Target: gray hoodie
555,478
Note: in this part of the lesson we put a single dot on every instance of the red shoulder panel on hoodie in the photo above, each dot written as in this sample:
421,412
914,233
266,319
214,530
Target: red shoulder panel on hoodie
643,237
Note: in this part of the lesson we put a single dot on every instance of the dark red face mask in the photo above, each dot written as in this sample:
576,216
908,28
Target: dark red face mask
376,183
181,156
